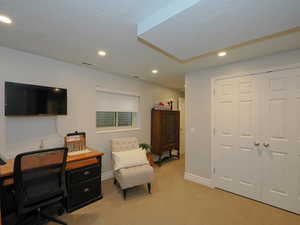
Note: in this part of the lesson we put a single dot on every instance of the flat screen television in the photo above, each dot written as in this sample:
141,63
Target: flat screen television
32,100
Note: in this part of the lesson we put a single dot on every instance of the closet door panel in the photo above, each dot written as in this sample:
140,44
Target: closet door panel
248,154
278,139
257,140
297,143
297,187
225,136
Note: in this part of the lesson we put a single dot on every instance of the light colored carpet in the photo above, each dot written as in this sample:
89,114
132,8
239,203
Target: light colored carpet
175,201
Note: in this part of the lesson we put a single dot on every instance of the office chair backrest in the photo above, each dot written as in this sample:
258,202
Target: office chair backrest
39,175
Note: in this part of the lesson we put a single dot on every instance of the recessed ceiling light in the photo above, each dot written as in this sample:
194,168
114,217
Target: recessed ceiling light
154,71
222,54
102,53
5,19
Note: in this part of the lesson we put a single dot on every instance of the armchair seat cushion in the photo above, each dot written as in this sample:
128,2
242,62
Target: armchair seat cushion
130,158
133,176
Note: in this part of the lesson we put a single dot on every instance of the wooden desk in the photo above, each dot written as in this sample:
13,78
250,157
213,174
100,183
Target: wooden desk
74,163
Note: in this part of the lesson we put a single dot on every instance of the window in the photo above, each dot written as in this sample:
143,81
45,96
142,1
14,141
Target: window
106,119
124,119
115,119
116,111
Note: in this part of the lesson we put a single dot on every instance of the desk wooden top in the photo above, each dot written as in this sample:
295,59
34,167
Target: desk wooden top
80,160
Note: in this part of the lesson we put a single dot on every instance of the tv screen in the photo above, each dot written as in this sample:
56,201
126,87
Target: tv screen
30,100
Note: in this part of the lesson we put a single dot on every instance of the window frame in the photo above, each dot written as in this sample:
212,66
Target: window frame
132,120
115,121
135,115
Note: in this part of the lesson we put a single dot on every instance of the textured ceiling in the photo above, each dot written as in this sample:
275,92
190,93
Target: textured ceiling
74,30
211,25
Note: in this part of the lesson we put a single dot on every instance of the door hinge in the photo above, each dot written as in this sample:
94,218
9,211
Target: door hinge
214,170
214,92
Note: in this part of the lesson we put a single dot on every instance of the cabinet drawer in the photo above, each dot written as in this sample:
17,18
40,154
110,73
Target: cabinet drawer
84,192
83,174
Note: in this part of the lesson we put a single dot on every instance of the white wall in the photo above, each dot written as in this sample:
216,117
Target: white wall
198,105
25,133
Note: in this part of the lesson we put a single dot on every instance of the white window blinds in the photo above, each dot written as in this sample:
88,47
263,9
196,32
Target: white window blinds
115,102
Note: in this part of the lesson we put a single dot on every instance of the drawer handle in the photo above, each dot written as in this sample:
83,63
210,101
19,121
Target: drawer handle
86,190
86,173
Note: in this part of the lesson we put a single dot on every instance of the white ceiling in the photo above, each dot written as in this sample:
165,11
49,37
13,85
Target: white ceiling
74,30
211,25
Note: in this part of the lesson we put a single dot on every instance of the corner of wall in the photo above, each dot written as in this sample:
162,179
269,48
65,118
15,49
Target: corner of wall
199,180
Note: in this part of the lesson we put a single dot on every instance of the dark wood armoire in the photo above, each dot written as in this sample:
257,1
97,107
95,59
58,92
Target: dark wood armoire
165,126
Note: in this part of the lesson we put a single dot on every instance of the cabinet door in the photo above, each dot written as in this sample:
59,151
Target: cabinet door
279,116
156,136
170,121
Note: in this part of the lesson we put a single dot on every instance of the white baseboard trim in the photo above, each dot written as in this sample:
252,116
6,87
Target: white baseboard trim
107,175
199,180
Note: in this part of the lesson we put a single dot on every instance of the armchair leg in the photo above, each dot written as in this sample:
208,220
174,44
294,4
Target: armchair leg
149,188
124,194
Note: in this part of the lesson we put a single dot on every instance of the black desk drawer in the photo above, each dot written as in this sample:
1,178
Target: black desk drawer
84,192
83,174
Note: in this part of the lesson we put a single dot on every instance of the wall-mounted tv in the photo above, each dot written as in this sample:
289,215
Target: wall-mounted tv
32,100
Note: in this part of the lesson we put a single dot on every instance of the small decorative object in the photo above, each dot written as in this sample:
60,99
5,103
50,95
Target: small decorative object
145,146
170,103
75,141
161,106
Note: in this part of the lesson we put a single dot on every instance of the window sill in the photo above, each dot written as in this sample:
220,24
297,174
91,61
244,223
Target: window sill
116,130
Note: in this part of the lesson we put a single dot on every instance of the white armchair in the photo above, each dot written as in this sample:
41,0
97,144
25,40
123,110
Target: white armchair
131,176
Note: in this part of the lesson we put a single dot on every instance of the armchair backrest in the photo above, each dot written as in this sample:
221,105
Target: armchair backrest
124,144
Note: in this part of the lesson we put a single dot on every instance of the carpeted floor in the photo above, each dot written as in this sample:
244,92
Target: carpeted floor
175,201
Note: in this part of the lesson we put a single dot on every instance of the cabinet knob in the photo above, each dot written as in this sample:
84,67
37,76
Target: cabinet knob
86,173
86,190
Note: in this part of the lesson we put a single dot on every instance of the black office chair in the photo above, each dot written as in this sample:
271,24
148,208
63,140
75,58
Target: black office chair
39,182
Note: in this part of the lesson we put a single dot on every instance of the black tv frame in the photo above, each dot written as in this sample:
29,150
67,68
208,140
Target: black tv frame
7,83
